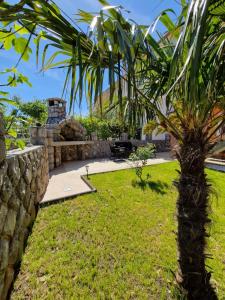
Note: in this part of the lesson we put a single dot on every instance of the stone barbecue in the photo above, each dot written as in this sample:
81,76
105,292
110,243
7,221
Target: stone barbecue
65,137
64,128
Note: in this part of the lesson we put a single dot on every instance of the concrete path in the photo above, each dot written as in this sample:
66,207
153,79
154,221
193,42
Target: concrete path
66,181
215,164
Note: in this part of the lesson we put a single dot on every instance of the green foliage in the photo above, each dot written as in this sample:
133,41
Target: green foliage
105,128
12,121
101,127
21,117
10,37
150,127
90,124
139,159
14,126
36,109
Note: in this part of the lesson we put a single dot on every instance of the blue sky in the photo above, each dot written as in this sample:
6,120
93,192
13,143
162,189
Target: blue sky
50,84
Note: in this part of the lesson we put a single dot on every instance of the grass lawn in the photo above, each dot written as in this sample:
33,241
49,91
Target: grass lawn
118,243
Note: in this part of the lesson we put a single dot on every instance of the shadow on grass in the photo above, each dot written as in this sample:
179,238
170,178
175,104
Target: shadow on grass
158,186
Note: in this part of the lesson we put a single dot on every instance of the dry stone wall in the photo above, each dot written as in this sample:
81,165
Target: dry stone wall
2,139
23,180
97,149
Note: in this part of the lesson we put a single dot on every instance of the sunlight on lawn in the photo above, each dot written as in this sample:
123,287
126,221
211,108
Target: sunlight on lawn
116,244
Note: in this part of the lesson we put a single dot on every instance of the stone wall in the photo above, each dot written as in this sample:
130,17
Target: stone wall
162,145
97,149
23,181
2,139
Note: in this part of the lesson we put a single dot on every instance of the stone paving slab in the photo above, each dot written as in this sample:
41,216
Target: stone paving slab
215,164
66,181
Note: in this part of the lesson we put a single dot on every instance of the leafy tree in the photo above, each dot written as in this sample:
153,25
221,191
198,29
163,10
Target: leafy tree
18,121
36,109
10,37
183,68
93,124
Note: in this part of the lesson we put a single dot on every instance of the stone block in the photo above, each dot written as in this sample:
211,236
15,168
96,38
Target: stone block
2,281
14,202
23,235
13,251
42,132
22,164
20,217
7,189
26,199
39,172
33,132
9,276
22,189
33,141
51,166
34,172
3,214
13,169
28,175
2,139
4,254
2,149
49,141
31,205
27,220
33,213
31,156
2,127
33,185
10,223
50,133
3,171
50,150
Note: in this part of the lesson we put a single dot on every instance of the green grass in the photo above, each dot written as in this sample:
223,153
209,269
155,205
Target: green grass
116,244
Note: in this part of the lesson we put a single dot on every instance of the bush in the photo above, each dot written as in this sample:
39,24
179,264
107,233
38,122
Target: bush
37,110
139,159
101,127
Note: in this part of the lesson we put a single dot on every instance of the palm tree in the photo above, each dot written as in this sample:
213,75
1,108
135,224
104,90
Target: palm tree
184,68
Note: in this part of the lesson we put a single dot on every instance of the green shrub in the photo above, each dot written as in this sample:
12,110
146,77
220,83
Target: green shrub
101,127
139,159
37,110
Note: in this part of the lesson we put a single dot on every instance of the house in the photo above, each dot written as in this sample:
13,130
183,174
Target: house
161,140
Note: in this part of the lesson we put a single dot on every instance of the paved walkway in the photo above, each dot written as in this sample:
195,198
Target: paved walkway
216,164
66,181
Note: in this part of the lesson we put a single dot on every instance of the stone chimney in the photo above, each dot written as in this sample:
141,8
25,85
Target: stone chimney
56,110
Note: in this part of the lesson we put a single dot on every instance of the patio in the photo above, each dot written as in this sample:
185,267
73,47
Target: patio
66,181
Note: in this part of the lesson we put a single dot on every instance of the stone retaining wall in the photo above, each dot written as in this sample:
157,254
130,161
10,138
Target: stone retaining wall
97,149
23,181
2,139
162,145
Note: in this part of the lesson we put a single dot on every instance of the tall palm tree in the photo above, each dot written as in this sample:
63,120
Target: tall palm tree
184,68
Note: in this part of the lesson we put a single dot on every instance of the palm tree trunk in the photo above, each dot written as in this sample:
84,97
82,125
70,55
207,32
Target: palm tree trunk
193,219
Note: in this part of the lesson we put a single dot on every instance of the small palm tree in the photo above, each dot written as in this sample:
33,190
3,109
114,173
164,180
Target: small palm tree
184,68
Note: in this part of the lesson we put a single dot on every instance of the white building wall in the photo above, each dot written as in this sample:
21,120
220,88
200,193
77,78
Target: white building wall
157,136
